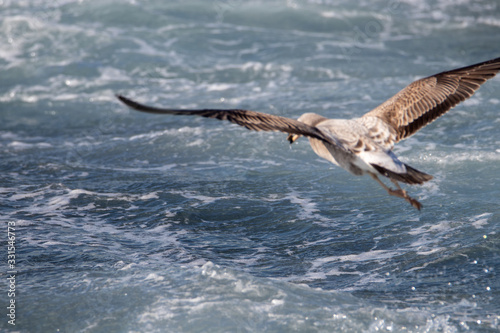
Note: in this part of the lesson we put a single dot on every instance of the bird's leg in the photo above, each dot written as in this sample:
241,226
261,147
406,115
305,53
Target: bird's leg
415,203
399,192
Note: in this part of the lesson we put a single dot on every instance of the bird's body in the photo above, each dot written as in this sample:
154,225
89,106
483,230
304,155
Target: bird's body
364,145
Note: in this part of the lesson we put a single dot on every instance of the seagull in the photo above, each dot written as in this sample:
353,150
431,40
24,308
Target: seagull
364,145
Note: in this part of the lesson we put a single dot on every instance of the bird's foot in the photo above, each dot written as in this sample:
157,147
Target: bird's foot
403,194
399,192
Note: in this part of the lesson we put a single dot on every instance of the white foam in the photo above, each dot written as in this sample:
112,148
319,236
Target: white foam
220,86
203,199
155,277
152,195
18,145
375,255
192,131
481,220
489,20
308,208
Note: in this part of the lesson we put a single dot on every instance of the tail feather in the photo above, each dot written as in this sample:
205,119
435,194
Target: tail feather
412,176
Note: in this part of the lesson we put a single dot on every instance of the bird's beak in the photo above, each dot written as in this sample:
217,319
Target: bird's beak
292,137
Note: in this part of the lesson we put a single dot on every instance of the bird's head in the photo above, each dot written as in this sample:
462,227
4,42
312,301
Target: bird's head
311,119
293,137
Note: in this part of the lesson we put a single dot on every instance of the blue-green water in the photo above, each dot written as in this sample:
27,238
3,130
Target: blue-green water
129,222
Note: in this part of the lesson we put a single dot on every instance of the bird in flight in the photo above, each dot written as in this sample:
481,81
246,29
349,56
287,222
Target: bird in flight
364,145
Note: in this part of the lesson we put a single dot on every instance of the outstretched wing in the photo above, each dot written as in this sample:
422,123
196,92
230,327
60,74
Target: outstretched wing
425,100
252,120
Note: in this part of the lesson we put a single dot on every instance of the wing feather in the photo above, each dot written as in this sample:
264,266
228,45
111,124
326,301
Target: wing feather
252,120
424,100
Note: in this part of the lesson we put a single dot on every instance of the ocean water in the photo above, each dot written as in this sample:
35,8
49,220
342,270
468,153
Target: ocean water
131,222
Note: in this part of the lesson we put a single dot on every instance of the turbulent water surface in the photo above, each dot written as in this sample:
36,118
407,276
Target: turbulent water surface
131,222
